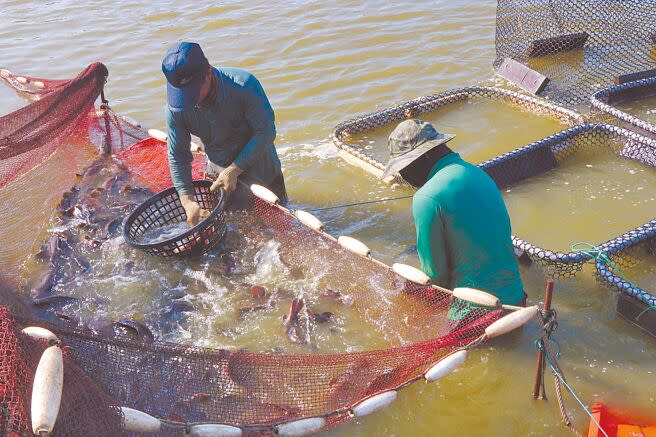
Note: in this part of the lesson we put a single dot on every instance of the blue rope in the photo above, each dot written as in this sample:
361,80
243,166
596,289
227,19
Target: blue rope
540,346
387,199
600,255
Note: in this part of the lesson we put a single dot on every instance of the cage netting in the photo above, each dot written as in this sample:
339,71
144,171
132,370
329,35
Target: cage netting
183,384
580,45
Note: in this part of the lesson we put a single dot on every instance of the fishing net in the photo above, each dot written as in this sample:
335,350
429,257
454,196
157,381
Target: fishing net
63,109
580,45
629,267
606,101
370,161
544,155
184,384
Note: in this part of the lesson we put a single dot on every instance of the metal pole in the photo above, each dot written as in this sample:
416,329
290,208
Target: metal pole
538,388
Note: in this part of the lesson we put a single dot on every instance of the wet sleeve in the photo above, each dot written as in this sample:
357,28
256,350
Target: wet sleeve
431,244
179,152
259,115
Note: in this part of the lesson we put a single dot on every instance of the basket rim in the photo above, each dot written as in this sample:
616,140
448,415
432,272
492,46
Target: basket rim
205,223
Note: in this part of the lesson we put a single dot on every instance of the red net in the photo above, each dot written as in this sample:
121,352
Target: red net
412,324
148,160
63,110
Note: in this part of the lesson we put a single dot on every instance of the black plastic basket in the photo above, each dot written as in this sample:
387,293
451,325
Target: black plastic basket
164,208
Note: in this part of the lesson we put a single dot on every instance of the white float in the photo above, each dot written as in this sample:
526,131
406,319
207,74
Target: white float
39,84
264,193
309,220
40,334
445,366
21,79
138,421
412,274
158,134
354,245
374,403
301,427
475,296
195,147
213,430
47,390
5,73
511,321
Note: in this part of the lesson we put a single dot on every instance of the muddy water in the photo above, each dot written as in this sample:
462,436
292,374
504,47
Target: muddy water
320,64
482,128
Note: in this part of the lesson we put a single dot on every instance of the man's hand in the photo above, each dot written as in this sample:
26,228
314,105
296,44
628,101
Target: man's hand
227,179
193,210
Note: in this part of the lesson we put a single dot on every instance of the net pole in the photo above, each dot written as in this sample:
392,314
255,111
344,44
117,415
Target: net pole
538,387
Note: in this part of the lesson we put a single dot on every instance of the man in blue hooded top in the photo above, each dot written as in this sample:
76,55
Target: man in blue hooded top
229,111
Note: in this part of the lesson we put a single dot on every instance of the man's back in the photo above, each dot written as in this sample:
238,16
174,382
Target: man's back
463,231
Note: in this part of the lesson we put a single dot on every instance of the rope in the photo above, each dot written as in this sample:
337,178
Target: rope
549,322
560,379
346,205
599,255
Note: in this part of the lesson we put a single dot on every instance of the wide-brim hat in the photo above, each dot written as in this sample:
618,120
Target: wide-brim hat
185,67
410,140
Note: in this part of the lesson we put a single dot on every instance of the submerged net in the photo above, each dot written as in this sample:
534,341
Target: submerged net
183,383
606,100
580,45
367,159
547,154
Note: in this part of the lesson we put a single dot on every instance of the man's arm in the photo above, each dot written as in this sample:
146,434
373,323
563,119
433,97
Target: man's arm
179,153
431,244
260,116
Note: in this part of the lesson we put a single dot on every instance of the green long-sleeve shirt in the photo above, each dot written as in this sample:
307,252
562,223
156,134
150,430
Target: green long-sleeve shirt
238,127
463,231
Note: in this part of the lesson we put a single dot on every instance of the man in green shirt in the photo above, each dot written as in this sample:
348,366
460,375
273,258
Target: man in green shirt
463,228
228,109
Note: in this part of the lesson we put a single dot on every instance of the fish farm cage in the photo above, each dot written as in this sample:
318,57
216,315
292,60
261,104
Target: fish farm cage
606,101
580,46
367,160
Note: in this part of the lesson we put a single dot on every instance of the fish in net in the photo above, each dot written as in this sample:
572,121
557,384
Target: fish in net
189,388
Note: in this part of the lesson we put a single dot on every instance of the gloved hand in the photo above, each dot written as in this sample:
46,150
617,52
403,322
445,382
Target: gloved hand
194,212
227,179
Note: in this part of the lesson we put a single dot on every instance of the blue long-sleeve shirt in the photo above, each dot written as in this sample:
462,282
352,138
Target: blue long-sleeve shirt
238,127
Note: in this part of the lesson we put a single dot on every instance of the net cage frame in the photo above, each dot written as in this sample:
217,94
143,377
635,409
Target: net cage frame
601,100
92,352
567,264
538,33
421,105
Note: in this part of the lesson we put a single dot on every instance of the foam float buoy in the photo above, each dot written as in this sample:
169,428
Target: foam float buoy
39,84
301,427
213,430
354,245
47,390
21,79
511,321
309,220
5,73
264,193
374,403
138,421
475,296
40,333
412,274
445,366
158,134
